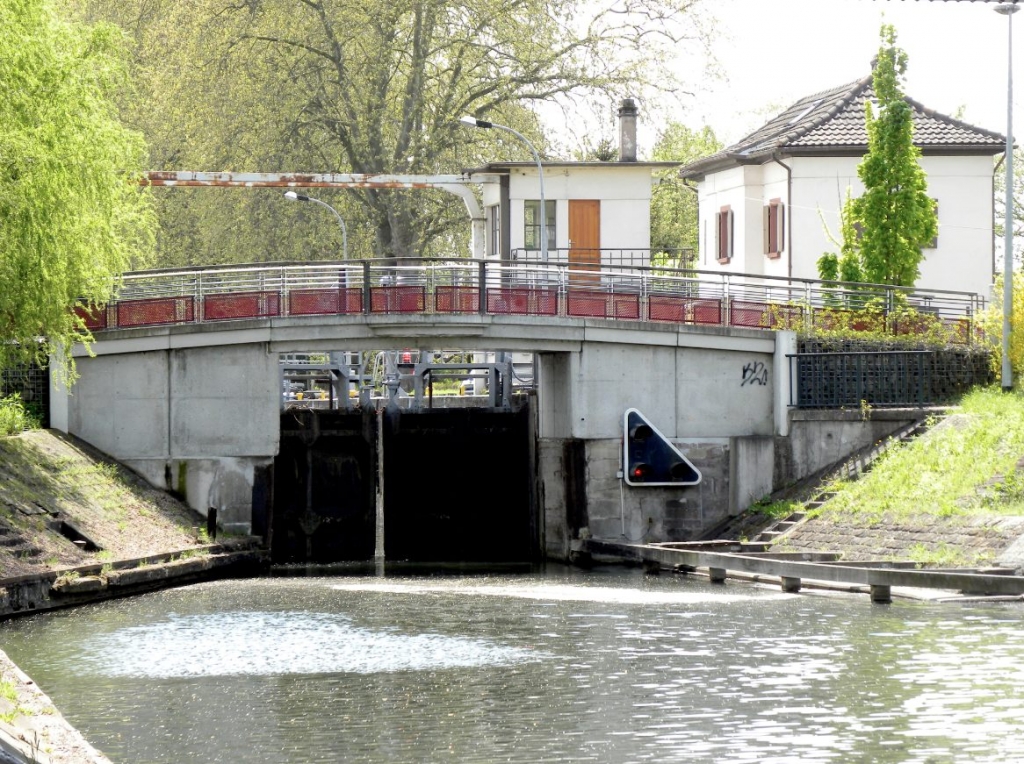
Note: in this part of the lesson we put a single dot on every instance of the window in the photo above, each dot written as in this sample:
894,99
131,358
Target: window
531,220
774,228
493,230
723,234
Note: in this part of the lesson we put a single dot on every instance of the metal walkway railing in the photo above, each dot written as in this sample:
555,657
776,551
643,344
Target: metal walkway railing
554,288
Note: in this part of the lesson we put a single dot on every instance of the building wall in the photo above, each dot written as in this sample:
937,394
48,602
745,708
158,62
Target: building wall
962,185
624,191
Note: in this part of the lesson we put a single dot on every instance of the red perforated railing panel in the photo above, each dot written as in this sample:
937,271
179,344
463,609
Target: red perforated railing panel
320,302
159,310
95,319
223,307
588,302
685,310
398,299
456,299
523,301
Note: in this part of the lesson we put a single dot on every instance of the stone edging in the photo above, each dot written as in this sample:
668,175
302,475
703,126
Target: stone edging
93,583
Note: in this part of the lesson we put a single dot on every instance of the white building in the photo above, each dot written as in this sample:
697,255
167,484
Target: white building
596,212
765,202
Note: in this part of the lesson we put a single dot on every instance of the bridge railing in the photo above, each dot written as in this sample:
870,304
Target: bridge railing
612,290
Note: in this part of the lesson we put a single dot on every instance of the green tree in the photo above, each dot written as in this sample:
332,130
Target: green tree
992,323
896,215
846,266
674,226
1018,205
72,213
375,86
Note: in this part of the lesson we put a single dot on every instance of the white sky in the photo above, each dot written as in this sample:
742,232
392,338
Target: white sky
774,52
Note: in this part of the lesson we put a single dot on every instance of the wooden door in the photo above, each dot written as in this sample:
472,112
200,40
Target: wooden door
584,240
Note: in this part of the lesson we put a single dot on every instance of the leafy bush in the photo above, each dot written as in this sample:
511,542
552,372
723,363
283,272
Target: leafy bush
15,416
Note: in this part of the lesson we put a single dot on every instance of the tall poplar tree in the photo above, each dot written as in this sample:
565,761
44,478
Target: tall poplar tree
896,215
72,215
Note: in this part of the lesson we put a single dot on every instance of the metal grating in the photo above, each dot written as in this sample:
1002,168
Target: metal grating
32,383
892,378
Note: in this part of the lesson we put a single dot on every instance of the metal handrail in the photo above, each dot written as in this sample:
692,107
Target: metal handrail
414,285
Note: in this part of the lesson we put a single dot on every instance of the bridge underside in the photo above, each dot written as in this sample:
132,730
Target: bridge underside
457,487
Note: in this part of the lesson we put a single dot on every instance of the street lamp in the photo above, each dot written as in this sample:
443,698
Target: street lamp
1008,9
292,196
473,122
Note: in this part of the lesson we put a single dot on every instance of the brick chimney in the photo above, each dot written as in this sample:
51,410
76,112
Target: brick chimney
627,130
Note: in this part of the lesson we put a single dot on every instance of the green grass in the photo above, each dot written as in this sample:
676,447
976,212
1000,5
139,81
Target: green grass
15,417
969,467
777,510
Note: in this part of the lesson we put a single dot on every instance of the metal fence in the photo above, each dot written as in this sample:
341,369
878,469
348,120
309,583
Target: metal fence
893,378
32,383
612,290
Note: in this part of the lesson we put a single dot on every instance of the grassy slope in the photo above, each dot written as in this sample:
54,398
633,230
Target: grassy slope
953,497
46,479
967,466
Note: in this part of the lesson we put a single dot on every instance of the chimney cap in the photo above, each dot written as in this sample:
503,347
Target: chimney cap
627,108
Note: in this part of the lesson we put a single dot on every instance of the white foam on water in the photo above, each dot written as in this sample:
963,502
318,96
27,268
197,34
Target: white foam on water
261,643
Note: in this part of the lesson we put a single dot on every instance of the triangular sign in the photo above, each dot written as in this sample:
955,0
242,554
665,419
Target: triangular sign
649,459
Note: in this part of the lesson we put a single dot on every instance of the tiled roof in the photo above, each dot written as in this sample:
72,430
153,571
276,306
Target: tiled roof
833,121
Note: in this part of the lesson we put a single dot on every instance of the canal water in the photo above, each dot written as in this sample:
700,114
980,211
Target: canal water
559,665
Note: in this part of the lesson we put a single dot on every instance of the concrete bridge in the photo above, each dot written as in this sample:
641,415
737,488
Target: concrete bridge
184,387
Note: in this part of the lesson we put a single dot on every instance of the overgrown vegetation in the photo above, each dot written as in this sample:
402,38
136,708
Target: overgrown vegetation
74,216
776,510
852,317
15,416
992,323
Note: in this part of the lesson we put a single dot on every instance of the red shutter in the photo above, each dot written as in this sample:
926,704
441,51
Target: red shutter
725,230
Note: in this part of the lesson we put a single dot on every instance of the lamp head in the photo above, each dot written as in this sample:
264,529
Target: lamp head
294,197
1007,9
473,121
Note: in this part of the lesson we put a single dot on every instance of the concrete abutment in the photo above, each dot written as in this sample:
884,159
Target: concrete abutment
199,413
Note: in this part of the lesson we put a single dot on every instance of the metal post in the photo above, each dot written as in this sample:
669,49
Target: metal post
1008,9
473,122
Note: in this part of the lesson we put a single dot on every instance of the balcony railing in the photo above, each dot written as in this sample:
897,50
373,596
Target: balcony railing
530,288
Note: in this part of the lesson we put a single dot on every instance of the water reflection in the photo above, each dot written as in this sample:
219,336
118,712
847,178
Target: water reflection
561,667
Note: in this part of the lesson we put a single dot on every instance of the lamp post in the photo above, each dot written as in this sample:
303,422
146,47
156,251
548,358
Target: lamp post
473,122
1008,9
292,196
